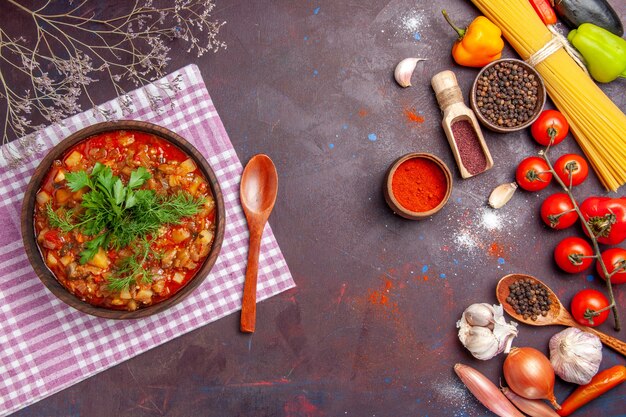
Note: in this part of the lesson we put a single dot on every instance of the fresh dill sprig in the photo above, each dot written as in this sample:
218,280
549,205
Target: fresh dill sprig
117,215
131,269
155,211
61,219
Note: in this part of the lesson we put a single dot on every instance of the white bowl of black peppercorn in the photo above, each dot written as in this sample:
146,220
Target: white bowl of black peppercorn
507,95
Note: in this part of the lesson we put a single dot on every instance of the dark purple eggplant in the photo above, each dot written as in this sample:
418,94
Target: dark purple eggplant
576,12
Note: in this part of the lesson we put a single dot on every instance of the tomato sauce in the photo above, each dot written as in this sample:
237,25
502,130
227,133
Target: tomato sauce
176,251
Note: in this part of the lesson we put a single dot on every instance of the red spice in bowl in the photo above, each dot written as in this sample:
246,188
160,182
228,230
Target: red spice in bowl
418,185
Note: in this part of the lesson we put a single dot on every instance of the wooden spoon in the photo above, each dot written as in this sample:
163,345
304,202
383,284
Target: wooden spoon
259,186
556,315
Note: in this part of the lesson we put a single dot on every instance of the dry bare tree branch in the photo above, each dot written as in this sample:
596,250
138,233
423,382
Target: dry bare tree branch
67,52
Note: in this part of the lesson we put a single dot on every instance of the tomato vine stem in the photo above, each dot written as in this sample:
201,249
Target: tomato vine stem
596,248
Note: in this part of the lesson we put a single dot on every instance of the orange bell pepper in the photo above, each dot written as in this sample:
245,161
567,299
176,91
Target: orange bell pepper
478,44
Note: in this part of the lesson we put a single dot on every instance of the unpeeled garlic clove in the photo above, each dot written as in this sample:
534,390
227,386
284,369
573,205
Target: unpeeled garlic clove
405,69
479,314
502,194
482,343
503,331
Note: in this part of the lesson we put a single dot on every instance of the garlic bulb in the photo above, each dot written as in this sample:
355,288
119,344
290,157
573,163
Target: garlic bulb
575,355
404,70
484,331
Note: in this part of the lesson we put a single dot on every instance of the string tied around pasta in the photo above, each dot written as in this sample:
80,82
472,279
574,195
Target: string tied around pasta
557,42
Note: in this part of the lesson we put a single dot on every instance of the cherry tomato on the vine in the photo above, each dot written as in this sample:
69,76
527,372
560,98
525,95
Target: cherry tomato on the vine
587,301
573,163
551,125
614,259
533,174
606,217
573,254
557,211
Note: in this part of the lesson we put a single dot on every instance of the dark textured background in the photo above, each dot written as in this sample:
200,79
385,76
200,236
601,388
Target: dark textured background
370,328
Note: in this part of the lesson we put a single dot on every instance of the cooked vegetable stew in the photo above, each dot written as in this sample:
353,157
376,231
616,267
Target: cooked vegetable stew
124,220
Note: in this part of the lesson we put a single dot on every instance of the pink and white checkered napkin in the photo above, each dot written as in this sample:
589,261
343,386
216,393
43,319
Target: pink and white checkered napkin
45,345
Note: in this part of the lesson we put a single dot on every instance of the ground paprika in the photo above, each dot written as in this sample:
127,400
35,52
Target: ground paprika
419,184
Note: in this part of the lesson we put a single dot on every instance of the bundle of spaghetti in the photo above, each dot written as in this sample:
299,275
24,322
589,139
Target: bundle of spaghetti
598,125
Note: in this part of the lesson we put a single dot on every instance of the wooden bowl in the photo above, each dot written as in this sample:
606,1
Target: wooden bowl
393,202
541,98
28,227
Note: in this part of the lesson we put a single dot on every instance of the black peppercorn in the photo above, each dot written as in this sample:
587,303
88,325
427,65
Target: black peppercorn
513,92
529,299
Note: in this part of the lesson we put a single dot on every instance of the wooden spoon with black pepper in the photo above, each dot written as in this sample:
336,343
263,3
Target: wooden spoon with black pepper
557,313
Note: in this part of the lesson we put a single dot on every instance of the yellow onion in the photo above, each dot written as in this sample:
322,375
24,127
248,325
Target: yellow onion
529,374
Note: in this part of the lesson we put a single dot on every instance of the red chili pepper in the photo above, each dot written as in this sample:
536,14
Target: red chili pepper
601,383
545,11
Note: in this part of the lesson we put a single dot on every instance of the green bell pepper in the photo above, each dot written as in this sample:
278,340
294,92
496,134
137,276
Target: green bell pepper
604,52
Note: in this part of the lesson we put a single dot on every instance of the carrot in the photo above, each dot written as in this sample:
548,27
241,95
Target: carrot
545,11
599,384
